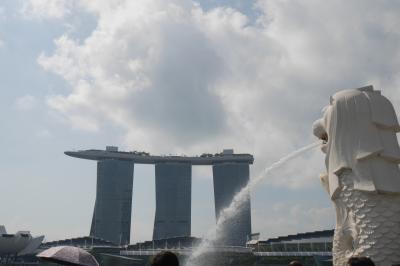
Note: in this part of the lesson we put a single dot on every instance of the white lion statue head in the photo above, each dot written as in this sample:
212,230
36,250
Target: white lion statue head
359,130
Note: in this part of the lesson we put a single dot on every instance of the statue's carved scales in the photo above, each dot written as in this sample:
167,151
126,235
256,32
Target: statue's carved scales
363,177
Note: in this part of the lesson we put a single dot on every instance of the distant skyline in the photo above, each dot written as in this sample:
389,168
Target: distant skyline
185,77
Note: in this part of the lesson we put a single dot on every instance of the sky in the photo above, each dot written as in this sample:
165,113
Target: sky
179,77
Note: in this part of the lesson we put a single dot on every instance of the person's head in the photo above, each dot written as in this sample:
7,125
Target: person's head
295,263
165,258
360,261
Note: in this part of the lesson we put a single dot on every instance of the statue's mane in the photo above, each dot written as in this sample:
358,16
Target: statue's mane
362,126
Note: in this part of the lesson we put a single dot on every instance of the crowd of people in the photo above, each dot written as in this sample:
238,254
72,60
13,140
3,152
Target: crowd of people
168,258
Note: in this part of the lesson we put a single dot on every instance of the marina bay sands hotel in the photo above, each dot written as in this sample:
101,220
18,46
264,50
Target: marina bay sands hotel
173,180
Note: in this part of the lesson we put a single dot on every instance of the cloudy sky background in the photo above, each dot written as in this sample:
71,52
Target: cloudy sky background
180,77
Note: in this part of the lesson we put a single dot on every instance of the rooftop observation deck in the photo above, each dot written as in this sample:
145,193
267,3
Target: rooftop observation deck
146,158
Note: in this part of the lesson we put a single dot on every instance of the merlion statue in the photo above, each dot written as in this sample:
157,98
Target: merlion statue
363,178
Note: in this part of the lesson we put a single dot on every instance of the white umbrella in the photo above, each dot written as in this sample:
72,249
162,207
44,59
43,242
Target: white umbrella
68,255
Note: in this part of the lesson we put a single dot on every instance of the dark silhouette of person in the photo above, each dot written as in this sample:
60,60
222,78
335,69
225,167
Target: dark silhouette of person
360,261
165,258
295,263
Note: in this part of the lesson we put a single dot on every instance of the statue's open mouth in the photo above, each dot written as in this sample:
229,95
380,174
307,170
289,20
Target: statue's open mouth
324,137
319,131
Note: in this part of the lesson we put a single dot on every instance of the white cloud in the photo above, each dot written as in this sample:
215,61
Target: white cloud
53,9
175,78
26,102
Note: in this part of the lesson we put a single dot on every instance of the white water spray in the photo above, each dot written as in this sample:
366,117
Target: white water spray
240,197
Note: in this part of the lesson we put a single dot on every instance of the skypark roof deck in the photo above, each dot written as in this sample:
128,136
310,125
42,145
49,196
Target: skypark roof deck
146,158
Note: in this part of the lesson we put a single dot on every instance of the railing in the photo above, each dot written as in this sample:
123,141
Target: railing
150,252
187,252
294,247
293,254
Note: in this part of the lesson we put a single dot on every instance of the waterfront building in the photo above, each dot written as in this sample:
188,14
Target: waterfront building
13,246
310,248
317,241
113,206
173,200
229,178
112,212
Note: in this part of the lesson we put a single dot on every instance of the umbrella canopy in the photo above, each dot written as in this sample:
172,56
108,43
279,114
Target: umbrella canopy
68,255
